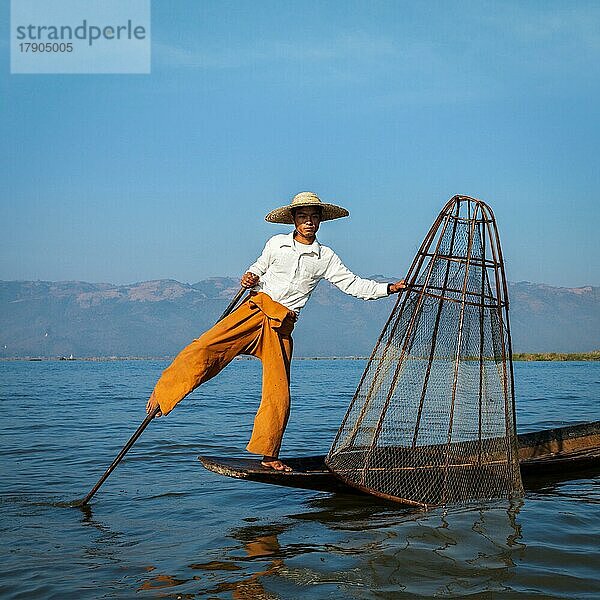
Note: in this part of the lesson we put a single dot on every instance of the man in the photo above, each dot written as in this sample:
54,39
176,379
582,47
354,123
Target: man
282,280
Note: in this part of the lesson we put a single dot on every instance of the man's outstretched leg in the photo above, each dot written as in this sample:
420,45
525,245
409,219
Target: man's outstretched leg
205,357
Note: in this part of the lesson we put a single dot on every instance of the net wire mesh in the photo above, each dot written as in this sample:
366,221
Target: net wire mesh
432,421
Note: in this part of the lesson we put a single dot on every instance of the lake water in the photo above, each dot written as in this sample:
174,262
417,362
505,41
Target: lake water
163,527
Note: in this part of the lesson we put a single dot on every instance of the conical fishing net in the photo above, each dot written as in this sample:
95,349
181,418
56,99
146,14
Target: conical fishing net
433,419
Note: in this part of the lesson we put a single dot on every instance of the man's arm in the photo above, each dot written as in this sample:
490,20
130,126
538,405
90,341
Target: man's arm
366,289
255,270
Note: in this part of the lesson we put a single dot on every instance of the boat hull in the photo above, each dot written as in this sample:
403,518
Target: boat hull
566,452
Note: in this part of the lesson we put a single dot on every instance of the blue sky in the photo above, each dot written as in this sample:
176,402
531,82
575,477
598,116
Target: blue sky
387,108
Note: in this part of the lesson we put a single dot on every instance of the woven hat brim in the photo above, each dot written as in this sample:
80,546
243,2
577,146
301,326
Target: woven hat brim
283,214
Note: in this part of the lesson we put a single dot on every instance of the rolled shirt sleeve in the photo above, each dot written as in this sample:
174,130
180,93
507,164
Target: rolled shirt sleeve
349,283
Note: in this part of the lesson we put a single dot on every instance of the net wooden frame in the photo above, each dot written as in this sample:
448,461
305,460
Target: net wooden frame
433,420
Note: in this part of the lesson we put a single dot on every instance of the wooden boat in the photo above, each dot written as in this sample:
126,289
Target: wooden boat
564,452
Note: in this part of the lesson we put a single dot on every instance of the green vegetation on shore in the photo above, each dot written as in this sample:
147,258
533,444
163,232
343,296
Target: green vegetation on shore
547,356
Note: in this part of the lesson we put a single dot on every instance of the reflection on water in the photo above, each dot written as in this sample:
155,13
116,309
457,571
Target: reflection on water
261,546
264,548
162,527
363,547
582,486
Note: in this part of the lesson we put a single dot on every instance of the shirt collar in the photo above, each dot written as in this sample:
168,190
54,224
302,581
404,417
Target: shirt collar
314,248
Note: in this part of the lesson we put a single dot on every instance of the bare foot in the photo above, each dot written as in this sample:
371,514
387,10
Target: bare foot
272,462
151,405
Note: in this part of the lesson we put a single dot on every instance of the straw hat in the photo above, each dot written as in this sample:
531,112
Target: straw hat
284,213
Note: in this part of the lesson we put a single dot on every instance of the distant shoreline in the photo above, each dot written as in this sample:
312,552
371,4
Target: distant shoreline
517,357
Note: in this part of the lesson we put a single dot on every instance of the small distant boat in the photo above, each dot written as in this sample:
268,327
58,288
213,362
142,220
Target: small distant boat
67,358
563,452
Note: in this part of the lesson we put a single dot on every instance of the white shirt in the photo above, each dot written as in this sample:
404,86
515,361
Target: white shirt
290,271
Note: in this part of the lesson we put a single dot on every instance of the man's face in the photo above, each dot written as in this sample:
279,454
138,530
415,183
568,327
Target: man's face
307,221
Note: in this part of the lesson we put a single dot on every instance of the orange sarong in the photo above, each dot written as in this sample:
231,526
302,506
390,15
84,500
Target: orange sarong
260,327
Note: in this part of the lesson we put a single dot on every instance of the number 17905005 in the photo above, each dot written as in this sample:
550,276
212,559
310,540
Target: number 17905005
46,47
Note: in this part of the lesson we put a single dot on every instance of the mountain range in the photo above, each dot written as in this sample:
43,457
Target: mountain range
158,318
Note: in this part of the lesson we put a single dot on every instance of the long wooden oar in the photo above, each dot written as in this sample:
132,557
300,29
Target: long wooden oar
143,425
232,304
